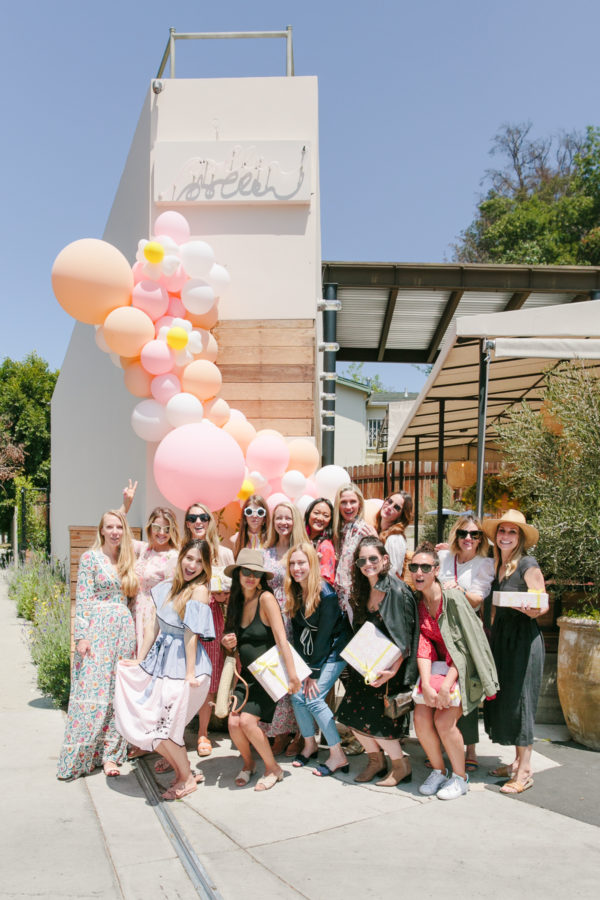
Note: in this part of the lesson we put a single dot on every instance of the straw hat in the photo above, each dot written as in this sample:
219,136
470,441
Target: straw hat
512,517
249,559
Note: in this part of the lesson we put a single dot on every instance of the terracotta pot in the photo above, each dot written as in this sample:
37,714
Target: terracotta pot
579,678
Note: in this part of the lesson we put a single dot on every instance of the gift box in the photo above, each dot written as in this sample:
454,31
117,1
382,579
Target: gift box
439,670
270,672
517,599
370,652
219,582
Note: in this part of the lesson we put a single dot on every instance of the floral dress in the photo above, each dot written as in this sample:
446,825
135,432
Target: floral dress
352,534
151,568
284,720
102,618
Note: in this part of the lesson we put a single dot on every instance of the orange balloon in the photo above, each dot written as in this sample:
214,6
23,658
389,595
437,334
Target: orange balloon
269,431
229,519
304,456
202,379
90,278
241,431
217,411
208,320
128,360
127,329
210,350
137,380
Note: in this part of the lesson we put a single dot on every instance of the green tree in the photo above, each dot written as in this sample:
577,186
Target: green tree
542,206
354,372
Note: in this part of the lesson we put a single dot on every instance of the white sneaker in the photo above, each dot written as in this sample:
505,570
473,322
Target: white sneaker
454,787
433,783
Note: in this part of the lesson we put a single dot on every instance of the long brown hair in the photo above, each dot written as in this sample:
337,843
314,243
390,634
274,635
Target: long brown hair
295,599
211,536
405,517
361,587
242,539
514,557
125,564
182,590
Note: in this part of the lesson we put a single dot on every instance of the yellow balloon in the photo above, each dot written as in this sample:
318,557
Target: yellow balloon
154,252
177,338
246,490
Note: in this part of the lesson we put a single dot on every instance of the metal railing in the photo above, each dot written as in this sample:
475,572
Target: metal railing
169,54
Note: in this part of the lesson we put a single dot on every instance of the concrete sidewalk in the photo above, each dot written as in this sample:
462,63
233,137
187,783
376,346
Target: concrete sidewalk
308,837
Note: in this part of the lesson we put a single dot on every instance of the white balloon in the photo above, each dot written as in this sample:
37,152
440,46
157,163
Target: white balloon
302,503
115,360
169,264
101,340
184,409
197,296
182,323
197,258
171,247
329,479
183,358
259,481
220,279
149,421
293,483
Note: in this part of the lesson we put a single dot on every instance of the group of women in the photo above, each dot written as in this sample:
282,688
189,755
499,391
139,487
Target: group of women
154,620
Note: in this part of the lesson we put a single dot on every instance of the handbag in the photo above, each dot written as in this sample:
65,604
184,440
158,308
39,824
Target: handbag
397,705
226,701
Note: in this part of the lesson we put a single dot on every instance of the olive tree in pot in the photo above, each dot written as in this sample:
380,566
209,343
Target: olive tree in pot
552,463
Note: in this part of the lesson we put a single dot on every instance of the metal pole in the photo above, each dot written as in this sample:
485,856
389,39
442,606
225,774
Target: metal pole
385,474
440,486
416,497
289,53
485,348
172,52
401,479
329,364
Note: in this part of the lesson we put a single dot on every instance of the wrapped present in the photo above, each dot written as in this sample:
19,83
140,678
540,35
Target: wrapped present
219,582
439,670
517,599
370,652
270,672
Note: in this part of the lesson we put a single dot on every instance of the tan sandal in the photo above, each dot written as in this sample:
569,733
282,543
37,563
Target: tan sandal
268,781
243,778
516,787
502,772
110,769
205,747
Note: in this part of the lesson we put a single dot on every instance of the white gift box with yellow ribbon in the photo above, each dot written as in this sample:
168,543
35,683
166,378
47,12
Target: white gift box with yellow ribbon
370,652
517,599
270,672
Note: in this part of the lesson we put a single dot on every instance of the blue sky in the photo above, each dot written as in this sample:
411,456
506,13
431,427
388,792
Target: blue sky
410,97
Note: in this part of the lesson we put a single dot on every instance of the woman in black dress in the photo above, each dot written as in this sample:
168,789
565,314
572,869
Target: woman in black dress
389,604
518,648
254,623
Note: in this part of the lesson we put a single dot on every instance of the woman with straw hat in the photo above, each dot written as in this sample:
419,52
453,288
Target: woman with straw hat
518,648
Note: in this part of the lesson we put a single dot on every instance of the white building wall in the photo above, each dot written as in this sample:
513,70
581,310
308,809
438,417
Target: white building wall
272,253
350,426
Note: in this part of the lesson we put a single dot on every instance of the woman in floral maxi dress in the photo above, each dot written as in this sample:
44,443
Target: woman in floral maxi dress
103,635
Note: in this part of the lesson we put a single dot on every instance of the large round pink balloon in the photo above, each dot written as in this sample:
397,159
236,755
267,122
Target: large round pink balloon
174,225
199,463
269,454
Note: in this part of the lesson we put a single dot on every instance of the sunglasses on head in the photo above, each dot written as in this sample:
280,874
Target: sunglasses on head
260,512
193,517
362,561
424,567
395,506
249,573
463,533
160,529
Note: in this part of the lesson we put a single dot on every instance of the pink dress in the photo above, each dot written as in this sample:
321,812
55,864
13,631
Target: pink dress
151,568
214,648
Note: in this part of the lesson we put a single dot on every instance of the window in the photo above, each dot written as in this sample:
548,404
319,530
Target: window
373,430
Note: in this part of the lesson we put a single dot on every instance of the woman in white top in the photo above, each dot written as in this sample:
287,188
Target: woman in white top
391,523
464,564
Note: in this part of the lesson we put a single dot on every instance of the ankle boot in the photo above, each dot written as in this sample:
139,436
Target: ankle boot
375,766
400,771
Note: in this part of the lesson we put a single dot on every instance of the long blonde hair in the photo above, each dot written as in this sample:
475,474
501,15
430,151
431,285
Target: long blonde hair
211,536
169,515
338,521
295,598
182,590
298,535
515,556
482,549
125,564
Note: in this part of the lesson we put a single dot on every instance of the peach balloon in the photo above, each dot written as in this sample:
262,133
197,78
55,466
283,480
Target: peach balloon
217,411
90,278
137,380
127,329
241,431
304,456
229,518
372,507
208,320
202,379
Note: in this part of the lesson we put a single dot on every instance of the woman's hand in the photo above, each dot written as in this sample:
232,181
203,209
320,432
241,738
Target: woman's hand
532,613
295,684
192,680
221,596
448,585
382,677
442,546
311,689
442,700
84,648
130,662
229,641
128,495
429,695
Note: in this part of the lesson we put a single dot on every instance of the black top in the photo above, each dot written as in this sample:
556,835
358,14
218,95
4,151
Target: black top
323,634
398,609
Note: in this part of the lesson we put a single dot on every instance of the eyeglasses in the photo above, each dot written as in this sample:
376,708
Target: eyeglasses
463,534
362,561
160,529
393,505
249,573
424,567
260,512
193,517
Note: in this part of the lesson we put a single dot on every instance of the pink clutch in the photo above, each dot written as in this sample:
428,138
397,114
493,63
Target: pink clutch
439,670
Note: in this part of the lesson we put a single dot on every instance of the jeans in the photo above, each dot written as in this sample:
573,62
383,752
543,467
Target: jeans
316,709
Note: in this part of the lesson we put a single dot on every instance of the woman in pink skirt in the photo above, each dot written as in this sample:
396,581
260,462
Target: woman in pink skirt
157,694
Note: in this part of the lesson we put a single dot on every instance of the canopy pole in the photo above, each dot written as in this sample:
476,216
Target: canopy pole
485,348
440,486
329,368
416,492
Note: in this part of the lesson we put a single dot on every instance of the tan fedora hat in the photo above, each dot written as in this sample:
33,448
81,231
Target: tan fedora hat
512,517
249,559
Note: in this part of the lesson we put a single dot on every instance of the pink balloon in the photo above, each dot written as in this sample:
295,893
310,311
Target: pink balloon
157,358
275,485
176,308
138,272
312,488
162,322
275,499
151,298
176,281
199,463
173,225
164,387
269,454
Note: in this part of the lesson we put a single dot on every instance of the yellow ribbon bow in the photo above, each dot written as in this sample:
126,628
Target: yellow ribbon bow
369,671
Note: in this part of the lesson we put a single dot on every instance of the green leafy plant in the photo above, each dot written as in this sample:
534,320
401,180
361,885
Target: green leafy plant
496,495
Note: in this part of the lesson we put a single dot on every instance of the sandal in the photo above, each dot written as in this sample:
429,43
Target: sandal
471,764
516,787
162,765
300,760
135,753
295,746
204,746
178,793
110,769
268,781
243,778
502,772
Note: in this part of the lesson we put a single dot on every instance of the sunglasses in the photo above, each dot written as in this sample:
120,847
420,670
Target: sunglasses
424,567
249,573
393,505
362,561
463,534
160,529
260,512
193,517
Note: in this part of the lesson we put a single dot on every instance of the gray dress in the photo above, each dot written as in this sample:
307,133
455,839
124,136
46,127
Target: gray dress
518,648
